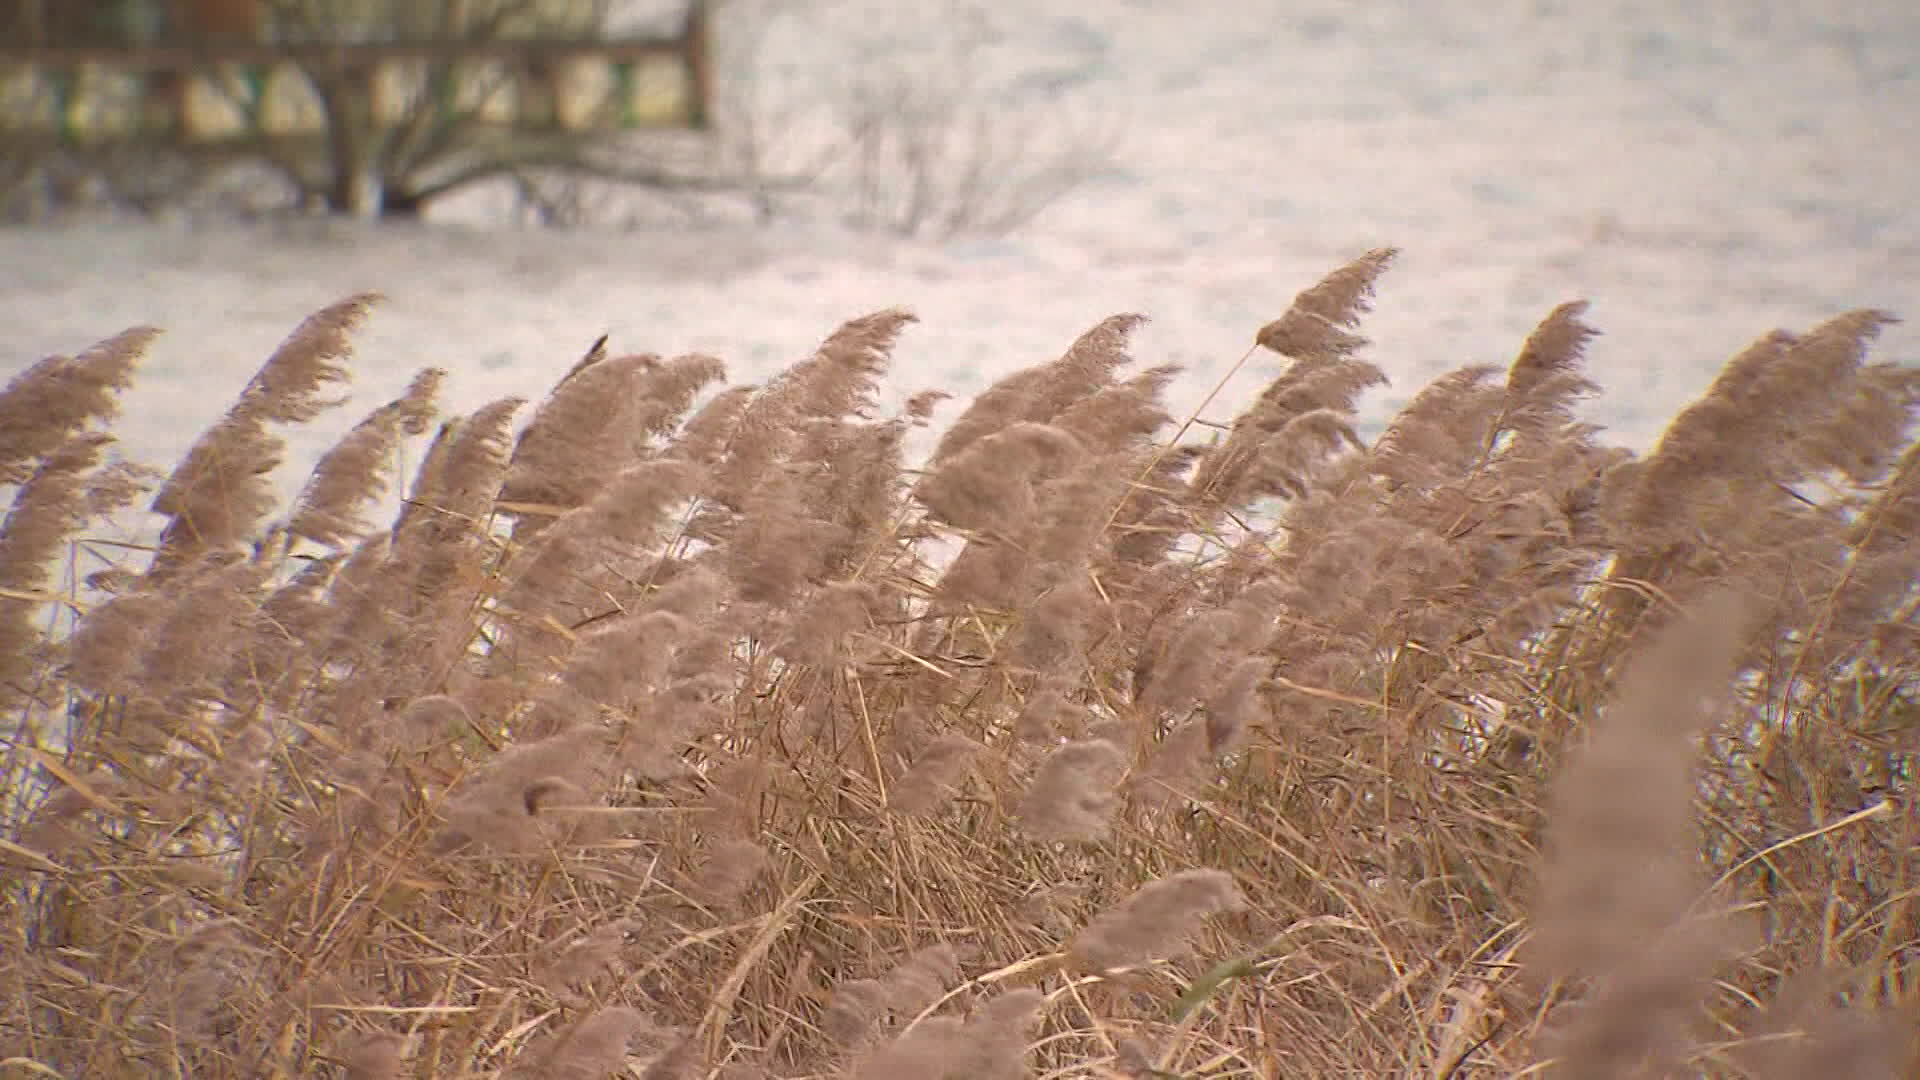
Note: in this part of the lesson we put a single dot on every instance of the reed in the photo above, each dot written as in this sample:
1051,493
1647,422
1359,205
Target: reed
677,729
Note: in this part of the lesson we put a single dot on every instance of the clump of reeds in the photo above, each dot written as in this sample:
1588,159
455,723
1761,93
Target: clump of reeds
687,729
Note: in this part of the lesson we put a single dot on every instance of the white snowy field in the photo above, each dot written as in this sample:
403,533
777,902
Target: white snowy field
1701,171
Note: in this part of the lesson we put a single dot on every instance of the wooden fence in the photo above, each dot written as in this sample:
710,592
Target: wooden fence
211,88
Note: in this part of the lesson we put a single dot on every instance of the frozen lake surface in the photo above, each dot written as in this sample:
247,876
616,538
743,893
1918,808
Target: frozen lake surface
1702,172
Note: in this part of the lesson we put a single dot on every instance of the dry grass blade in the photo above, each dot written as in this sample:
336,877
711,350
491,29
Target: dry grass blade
682,737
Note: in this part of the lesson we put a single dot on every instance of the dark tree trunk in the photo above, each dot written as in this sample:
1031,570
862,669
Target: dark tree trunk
402,204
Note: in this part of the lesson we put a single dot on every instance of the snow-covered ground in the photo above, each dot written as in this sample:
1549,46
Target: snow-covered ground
1701,171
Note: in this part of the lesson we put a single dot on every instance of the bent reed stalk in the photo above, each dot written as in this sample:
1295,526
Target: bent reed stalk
686,731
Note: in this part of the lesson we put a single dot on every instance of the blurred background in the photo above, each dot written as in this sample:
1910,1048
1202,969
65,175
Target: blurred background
739,176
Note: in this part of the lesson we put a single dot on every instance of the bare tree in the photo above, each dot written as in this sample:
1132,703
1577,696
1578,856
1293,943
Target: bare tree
443,135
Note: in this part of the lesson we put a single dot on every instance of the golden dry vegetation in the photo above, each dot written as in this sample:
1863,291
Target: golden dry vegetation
684,730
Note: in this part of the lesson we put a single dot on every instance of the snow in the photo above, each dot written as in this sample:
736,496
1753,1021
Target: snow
1702,172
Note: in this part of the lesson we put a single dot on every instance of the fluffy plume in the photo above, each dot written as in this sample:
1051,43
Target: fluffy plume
1072,798
728,871
1155,919
989,487
46,510
577,437
935,777
1037,395
1546,376
1317,325
353,473
380,1056
991,1045
1620,871
860,1006
668,781
54,400
593,1048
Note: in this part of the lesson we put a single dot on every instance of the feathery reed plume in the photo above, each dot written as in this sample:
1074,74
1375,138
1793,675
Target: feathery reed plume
104,652
282,637
287,388
1123,416
781,545
935,777
862,1008
1316,327
54,400
1808,1034
1777,386
990,485
577,437
932,1047
695,744
1047,714
680,1061
431,719
991,1045
462,471
585,959
821,632
1234,704
1053,631
1178,769
703,438
1442,432
1075,508
1620,872
727,872
192,643
504,806
1546,376
842,377
353,472
996,1035
1300,418
218,494
208,964
1038,394
595,353
1072,798
378,1056
440,545
665,392
47,508
560,573
1158,917
1867,430
918,408
802,416
854,1011
594,1047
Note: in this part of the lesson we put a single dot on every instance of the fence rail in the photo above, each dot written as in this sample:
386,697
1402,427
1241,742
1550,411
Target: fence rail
220,89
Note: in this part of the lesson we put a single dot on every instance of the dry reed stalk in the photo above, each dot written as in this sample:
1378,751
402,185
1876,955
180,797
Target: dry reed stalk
692,737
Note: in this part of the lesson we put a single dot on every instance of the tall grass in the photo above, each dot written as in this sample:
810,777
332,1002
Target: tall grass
686,731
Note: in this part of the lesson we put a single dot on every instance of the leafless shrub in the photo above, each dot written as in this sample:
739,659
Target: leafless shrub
916,146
